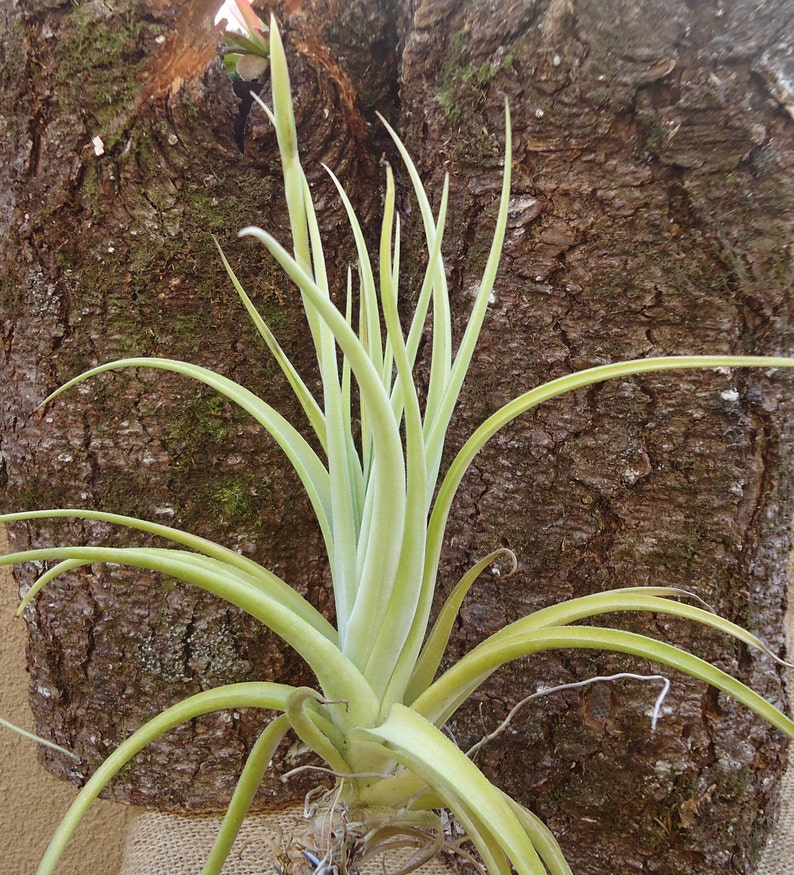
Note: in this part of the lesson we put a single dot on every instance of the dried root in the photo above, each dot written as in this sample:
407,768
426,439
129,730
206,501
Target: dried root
334,840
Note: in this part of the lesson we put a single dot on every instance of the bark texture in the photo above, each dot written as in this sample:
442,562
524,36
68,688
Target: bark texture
651,214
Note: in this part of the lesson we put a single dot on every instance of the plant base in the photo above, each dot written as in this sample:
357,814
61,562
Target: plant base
170,844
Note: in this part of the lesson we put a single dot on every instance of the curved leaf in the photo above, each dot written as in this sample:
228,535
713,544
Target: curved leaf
481,808
430,658
268,581
339,678
650,599
247,695
434,284
446,694
552,389
250,779
304,460
541,837
398,616
387,483
460,366
317,734
305,398
177,536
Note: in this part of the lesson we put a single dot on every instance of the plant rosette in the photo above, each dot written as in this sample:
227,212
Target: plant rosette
381,499
246,50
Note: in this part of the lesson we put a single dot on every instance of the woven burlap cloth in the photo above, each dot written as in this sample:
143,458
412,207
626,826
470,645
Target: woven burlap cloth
168,844
164,844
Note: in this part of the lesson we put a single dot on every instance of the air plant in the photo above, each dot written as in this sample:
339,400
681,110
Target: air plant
381,498
246,49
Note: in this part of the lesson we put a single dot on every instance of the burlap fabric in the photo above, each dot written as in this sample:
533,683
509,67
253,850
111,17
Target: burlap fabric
167,844
778,856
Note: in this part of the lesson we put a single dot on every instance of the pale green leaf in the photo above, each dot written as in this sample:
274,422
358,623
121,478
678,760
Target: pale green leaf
307,465
307,401
337,675
248,784
467,792
246,695
447,693
553,389
651,599
387,487
541,837
270,582
433,650
443,411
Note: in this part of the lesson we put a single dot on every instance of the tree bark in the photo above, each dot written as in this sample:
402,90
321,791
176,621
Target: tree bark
651,214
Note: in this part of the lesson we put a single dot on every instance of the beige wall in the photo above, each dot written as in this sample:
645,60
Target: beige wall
31,801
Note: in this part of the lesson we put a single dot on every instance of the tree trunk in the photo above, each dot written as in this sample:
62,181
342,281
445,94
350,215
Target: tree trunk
651,211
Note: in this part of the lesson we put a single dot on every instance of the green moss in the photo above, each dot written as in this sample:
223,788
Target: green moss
124,494
203,416
233,501
651,134
198,436
460,80
98,55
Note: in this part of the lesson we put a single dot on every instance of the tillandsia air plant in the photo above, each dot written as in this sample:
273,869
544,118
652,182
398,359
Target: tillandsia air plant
246,49
377,486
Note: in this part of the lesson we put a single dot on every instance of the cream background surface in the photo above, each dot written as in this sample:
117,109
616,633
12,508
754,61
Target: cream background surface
32,802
